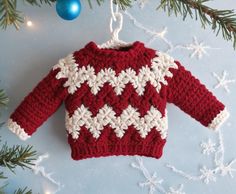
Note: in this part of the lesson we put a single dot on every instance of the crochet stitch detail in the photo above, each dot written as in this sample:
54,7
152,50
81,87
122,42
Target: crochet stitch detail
78,75
15,128
106,116
115,101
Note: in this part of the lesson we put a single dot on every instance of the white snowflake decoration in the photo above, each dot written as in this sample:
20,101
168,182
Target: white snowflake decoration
198,48
222,81
152,181
227,169
208,147
207,175
176,191
142,3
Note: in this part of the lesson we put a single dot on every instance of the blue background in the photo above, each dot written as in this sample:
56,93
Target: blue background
28,54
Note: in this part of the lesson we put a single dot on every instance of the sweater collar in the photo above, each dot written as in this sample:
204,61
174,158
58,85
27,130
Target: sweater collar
134,56
130,51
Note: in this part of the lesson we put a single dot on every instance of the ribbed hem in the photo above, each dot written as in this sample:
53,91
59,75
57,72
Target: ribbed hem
79,152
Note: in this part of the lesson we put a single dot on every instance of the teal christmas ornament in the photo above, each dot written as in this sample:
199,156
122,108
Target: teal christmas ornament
68,9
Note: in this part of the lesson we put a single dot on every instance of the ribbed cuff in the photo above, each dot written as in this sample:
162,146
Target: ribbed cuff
84,151
15,128
220,118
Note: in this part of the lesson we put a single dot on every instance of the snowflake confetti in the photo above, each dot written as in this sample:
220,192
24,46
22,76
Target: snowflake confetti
152,181
207,175
208,147
199,49
142,3
223,82
221,168
176,191
227,169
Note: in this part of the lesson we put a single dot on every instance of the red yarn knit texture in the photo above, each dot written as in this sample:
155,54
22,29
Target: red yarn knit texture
115,100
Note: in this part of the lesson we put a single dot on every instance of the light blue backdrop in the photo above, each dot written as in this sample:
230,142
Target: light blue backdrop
28,54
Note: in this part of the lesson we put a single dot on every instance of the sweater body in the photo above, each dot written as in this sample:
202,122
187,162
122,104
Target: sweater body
115,101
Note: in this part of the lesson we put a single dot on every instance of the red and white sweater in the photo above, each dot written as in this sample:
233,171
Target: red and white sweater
115,100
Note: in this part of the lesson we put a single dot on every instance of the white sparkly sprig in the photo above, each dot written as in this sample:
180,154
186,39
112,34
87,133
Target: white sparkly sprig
152,33
152,181
222,81
176,191
199,49
38,169
142,3
208,175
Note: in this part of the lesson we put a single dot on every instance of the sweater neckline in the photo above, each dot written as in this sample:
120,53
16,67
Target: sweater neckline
125,53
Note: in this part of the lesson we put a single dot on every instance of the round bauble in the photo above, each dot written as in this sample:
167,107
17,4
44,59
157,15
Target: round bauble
68,9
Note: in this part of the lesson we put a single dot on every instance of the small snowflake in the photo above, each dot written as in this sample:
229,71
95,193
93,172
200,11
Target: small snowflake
207,175
198,48
227,169
142,3
222,81
208,147
152,183
176,191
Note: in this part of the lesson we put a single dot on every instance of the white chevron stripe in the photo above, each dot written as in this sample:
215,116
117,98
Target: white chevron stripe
76,76
106,116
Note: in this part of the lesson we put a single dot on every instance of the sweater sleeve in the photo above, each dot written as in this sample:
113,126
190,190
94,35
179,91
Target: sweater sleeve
190,95
38,105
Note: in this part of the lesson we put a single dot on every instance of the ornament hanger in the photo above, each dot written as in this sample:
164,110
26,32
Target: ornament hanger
115,42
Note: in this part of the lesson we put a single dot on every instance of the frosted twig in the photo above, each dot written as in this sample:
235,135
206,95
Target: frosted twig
207,175
142,3
154,34
220,153
176,191
36,168
152,182
184,174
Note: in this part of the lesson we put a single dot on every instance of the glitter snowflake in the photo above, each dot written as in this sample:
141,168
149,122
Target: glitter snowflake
220,167
227,169
207,175
198,48
142,3
152,181
176,191
222,81
208,147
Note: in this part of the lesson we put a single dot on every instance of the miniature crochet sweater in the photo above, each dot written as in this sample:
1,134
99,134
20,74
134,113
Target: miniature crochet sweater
115,100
